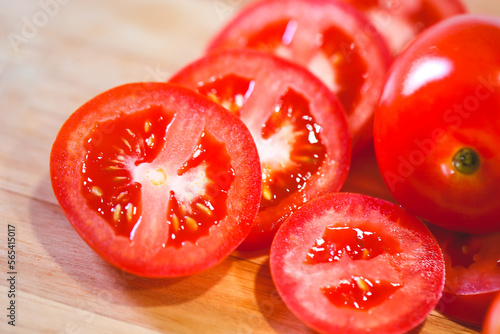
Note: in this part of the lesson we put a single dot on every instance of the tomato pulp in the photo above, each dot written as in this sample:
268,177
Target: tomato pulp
329,37
437,127
350,263
299,126
156,179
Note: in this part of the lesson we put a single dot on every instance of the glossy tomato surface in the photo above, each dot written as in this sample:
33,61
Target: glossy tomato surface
437,127
299,127
400,21
350,263
156,179
472,274
492,323
329,37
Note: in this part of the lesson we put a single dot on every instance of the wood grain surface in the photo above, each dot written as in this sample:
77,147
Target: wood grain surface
54,56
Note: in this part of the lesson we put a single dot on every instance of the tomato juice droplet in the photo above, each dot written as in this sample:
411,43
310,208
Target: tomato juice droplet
360,293
191,220
113,148
355,242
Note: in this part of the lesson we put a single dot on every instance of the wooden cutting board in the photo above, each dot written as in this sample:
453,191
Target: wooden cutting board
54,56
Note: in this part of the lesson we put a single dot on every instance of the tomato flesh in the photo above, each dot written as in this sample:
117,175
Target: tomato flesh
190,222
331,40
291,116
158,180
306,156
298,125
107,182
352,263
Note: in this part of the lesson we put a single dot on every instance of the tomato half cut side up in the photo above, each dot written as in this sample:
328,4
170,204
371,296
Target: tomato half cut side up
350,263
158,180
299,126
472,274
331,38
400,21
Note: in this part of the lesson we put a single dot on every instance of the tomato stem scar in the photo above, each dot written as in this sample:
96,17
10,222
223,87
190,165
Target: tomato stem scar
466,161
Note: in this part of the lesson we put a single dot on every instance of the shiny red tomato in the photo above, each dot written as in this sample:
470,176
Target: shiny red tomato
492,323
472,274
401,20
329,37
350,263
156,179
437,127
299,126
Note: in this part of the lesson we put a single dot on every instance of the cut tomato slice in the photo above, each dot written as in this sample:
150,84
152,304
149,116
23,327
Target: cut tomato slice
299,126
400,21
472,274
350,263
158,180
329,37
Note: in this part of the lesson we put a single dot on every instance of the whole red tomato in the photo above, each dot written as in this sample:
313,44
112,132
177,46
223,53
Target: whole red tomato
437,127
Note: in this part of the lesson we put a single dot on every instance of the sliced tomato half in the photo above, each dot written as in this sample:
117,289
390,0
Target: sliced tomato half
350,263
472,274
299,126
157,179
401,20
331,38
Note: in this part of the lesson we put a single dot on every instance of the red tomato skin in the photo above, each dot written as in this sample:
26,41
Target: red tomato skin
290,237
147,256
492,322
441,95
273,75
321,14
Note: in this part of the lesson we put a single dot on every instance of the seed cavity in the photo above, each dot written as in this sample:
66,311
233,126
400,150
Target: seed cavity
106,181
360,293
358,243
192,218
229,91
